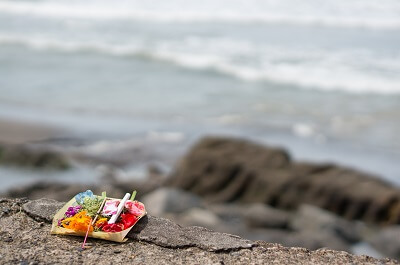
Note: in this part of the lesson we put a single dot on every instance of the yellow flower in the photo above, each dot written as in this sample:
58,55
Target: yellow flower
100,223
78,222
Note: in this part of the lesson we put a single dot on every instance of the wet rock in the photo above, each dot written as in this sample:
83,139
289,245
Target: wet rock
311,219
62,191
30,156
387,241
170,200
254,215
260,215
200,217
228,212
231,170
364,248
303,239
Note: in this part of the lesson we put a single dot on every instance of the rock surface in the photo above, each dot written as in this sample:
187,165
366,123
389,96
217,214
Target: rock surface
387,241
311,218
232,170
30,156
24,240
254,215
61,191
172,200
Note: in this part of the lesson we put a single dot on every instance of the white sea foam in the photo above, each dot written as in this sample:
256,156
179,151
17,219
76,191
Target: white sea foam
376,14
303,130
316,69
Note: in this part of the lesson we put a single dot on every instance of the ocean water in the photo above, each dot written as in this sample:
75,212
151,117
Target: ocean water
319,77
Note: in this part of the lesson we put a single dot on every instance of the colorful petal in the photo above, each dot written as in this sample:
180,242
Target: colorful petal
135,207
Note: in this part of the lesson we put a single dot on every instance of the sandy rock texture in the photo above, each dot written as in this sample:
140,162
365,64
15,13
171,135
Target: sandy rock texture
25,239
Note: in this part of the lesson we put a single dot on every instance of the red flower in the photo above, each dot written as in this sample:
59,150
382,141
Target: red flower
113,228
128,220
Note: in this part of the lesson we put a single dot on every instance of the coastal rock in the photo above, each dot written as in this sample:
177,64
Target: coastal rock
170,200
200,217
305,239
255,215
60,191
260,215
154,241
387,241
30,156
165,233
232,170
315,220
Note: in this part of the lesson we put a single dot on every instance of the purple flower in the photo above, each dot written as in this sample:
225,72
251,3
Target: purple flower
59,221
72,210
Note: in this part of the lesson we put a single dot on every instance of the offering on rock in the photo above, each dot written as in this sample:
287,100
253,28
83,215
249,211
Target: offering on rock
98,216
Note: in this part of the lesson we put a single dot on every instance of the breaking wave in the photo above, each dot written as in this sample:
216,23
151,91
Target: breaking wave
372,14
316,69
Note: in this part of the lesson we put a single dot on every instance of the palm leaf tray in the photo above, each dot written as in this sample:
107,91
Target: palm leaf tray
77,214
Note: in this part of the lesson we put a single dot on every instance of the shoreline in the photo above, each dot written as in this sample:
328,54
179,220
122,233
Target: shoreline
157,149
14,131
283,194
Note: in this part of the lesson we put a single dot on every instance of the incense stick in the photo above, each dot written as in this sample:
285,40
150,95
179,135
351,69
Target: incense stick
121,205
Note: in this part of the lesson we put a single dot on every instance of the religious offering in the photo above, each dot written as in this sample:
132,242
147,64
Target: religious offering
97,216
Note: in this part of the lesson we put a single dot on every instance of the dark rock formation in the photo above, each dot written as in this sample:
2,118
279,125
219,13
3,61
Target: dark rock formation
171,200
232,170
31,156
24,240
62,191
387,241
254,215
316,220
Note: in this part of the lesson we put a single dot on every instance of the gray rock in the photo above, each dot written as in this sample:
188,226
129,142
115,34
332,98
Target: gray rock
387,241
63,191
303,239
42,209
229,213
214,241
161,232
24,240
261,215
364,248
200,217
169,200
311,219
34,157
224,170
156,230
254,215
165,233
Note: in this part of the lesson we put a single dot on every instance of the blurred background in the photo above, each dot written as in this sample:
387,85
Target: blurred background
129,84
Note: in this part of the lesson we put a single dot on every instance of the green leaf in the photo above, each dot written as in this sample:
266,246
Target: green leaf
133,195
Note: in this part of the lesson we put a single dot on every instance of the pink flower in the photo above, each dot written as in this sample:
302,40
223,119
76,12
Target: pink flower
110,207
134,207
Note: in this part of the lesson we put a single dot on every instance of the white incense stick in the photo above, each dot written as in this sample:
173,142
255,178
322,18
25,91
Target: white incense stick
119,209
